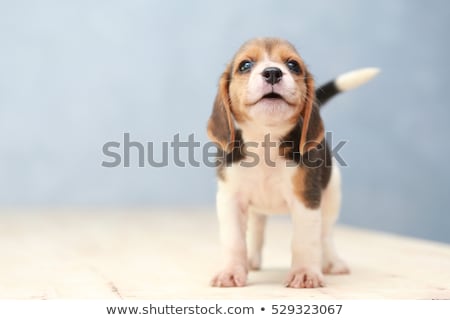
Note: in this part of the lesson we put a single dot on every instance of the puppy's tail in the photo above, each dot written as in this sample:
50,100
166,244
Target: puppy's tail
344,82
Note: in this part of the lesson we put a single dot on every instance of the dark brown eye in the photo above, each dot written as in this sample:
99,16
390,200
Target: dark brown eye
293,66
245,66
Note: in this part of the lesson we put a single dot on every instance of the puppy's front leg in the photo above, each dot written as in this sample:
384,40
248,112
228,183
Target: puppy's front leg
232,223
306,248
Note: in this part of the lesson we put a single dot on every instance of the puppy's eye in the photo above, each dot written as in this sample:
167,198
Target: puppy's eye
245,66
293,66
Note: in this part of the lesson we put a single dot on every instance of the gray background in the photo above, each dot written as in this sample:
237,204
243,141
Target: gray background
76,74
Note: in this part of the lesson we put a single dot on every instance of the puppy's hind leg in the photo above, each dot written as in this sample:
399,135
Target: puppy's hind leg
255,239
331,202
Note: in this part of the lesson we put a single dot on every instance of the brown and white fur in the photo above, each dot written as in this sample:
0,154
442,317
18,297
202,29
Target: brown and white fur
267,90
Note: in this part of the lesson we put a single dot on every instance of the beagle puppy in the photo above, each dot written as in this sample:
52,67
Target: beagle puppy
273,159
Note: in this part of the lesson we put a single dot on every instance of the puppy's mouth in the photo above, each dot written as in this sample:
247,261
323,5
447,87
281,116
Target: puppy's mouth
272,96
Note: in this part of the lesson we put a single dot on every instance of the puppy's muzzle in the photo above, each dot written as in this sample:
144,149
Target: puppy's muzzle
272,75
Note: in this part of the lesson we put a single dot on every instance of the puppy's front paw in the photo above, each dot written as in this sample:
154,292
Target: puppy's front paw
235,276
305,278
335,266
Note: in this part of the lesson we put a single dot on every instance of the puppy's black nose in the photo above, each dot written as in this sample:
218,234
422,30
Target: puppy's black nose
272,75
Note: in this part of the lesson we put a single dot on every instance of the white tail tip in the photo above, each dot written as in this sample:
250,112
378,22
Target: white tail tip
355,78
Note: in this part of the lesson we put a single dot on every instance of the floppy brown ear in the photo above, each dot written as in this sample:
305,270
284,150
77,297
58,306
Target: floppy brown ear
312,129
220,123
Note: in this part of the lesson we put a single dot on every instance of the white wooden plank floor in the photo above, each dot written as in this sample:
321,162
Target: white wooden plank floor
162,253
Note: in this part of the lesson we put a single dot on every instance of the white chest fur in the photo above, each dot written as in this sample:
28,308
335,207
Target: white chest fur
261,181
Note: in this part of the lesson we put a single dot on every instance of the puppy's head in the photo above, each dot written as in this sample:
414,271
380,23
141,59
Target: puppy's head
266,84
